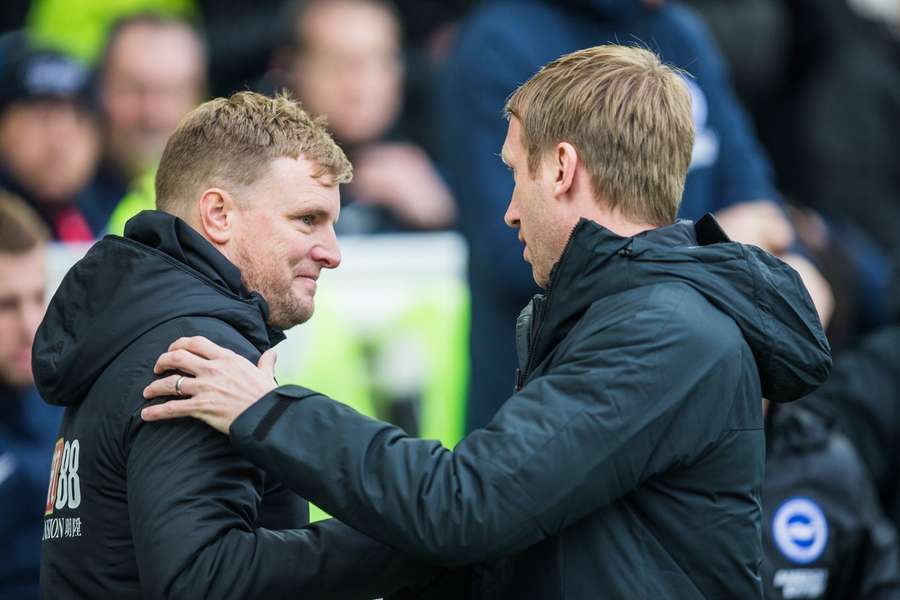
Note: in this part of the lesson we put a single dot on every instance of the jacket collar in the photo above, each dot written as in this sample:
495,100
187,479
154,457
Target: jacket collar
173,237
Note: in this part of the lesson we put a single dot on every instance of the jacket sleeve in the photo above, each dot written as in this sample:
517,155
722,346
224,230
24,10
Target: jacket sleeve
195,511
569,443
193,505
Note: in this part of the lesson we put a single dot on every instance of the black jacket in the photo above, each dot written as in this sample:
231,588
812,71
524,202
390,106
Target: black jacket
862,398
169,510
630,462
824,533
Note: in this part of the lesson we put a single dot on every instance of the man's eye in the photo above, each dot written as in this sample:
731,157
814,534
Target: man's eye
308,220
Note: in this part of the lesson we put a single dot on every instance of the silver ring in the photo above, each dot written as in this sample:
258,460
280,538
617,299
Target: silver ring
178,381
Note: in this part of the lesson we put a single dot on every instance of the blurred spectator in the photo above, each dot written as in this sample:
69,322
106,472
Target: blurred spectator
153,71
754,36
824,533
79,27
241,39
346,63
28,426
500,46
839,133
824,87
49,142
862,397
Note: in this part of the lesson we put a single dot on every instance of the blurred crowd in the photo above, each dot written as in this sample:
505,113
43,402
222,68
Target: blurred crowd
797,117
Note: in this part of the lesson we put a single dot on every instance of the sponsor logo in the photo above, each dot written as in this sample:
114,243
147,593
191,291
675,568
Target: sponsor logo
56,528
800,530
65,486
801,583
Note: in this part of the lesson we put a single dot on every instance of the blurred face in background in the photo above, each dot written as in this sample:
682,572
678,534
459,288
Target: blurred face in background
349,67
22,288
154,74
50,147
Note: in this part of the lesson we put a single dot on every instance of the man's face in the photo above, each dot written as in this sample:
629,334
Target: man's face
543,228
351,69
285,237
49,146
155,74
22,289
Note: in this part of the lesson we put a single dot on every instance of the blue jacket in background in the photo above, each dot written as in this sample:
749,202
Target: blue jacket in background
500,47
28,427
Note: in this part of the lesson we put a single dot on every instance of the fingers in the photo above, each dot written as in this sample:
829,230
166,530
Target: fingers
166,386
180,360
267,362
172,409
198,345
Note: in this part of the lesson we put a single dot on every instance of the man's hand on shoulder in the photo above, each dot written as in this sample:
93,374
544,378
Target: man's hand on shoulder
217,383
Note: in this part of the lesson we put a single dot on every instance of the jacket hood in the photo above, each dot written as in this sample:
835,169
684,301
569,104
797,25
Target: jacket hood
161,270
763,295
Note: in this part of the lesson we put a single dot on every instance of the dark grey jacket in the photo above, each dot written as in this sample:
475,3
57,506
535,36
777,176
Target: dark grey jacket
630,462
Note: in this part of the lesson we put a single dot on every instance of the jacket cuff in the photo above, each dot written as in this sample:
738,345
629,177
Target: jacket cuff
257,421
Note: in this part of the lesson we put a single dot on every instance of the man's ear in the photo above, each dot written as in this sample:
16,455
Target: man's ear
218,213
565,163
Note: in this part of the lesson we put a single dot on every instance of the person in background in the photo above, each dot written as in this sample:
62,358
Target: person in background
27,425
152,72
346,63
500,46
825,534
862,397
49,141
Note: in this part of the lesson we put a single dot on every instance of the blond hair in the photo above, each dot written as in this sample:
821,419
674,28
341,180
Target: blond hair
21,229
628,116
231,141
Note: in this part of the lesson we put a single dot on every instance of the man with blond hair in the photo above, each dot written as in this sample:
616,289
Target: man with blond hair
628,463
248,196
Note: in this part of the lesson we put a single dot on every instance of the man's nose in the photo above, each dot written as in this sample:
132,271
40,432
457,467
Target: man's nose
511,217
328,252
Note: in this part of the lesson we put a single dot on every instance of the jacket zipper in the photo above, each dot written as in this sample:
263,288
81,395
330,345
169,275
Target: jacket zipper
554,277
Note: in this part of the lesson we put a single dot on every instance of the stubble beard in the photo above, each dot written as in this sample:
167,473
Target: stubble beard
259,275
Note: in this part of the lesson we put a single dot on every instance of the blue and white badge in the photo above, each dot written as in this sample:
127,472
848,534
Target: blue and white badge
800,530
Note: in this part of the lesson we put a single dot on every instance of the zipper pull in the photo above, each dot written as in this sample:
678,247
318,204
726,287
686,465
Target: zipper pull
626,251
520,380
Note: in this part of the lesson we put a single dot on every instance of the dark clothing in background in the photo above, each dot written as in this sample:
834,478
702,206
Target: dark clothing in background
28,430
754,37
169,510
500,46
75,221
824,532
630,462
862,397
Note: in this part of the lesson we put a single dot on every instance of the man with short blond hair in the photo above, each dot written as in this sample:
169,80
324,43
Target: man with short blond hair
637,153
629,460
248,192
234,139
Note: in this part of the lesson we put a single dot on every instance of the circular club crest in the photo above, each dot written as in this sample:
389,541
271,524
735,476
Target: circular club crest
800,529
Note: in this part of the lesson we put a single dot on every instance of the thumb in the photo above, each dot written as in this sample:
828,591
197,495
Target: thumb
267,362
